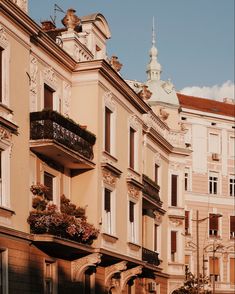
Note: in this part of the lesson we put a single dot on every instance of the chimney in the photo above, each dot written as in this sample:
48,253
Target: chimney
47,25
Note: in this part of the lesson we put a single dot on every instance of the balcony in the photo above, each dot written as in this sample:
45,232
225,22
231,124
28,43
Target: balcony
151,191
60,140
150,256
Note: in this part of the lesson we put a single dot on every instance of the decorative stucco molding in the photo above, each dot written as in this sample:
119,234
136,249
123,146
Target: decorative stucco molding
108,177
49,77
109,101
23,4
158,217
128,274
133,191
66,98
5,135
33,83
134,122
3,37
176,222
157,158
113,269
80,265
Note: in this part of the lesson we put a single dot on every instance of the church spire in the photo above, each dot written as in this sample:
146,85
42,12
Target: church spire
154,68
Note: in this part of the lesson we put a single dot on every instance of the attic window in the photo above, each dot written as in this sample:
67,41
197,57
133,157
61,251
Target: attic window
233,127
213,124
183,118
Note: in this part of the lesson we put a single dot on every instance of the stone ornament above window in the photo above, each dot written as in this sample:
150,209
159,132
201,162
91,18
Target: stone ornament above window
50,77
3,37
109,101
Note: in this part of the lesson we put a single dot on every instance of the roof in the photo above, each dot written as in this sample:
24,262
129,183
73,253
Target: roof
206,105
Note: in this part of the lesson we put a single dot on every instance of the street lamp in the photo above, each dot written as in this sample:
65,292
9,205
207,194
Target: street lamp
198,221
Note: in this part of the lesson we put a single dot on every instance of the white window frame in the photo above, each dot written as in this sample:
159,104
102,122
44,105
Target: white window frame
109,218
133,234
5,185
219,233
189,172
56,182
231,177
233,237
5,45
4,265
213,174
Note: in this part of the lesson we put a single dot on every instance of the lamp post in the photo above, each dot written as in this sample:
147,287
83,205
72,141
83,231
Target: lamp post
198,221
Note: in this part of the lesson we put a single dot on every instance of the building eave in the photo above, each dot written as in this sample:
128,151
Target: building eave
116,80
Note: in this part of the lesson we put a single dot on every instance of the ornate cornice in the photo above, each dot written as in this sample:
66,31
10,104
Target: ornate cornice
3,37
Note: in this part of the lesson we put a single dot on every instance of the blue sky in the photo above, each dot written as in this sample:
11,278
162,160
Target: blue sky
195,39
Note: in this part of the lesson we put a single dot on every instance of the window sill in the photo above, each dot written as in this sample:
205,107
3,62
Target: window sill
6,212
109,238
134,171
134,246
110,156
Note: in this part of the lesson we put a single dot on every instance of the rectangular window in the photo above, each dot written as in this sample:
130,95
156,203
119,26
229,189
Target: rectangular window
173,245
155,237
132,148
174,182
48,182
187,262
214,143
156,169
186,180
50,279
213,183
48,97
132,221
186,222
108,114
232,270
1,74
232,185
107,210
232,226
214,268
213,225
3,272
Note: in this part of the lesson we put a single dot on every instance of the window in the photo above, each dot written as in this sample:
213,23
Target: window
108,114
232,270
174,182
173,245
187,214
214,143
48,181
132,221
213,225
186,180
132,148
155,237
50,277
214,268
187,262
232,227
1,74
232,185
232,146
213,183
156,173
4,175
48,97
107,211
3,271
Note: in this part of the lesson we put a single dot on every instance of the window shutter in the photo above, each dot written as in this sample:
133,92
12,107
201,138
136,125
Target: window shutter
107,129
174,190
187,259
232,270
131,211
48,97
173,242
132,148
214,266
48,182
107,200
186,220
232,223
213,222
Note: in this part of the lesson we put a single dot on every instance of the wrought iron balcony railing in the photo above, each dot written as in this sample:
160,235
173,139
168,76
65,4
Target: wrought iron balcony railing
53,126
151,190
150,256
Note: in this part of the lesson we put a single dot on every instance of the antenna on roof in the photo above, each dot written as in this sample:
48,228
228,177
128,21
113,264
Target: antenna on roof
56,8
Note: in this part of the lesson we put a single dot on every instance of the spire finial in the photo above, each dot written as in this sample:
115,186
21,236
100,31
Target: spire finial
153,33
